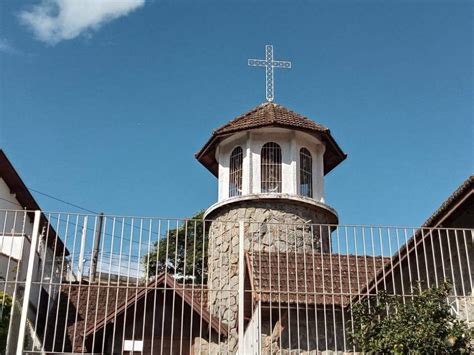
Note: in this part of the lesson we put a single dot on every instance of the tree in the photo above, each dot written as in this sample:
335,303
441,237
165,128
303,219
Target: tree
423,324
5,309
182,252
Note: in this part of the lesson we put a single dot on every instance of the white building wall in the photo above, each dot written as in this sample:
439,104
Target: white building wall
290,141
11,221
223,157
16,229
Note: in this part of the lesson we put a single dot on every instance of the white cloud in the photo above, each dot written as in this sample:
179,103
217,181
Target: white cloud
53,21
6,47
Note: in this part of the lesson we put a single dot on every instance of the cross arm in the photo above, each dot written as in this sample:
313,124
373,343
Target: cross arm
257,63
281,64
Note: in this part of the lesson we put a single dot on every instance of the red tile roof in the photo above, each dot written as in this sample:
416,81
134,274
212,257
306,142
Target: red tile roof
310,278
454,202
83,309
271,115
79,305
194,295
466,188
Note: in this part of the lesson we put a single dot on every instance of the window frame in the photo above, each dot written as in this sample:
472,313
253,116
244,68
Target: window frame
305,172
236,171
271,166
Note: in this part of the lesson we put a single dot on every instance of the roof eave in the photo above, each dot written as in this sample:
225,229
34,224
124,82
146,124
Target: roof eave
150,287
206,156
25,198
461,193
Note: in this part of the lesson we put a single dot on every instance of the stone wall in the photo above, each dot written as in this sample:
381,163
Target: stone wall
306,331
269,226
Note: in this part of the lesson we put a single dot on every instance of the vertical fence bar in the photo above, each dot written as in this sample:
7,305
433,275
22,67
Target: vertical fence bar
289,274
241,286
80,268
29,279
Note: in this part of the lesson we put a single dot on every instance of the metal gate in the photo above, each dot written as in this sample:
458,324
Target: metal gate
112,284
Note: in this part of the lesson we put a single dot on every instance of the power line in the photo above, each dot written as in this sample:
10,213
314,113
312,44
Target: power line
90,211
13,203
63,201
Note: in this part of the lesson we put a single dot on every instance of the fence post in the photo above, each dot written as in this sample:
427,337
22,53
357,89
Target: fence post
28,281
241,286
95,249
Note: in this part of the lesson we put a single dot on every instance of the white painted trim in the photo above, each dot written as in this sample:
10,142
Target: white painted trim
28,282
252,141
247,166
271,196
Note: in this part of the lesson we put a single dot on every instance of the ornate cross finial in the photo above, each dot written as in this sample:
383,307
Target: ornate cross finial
269,64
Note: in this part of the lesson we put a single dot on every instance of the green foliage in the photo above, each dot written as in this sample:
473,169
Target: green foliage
5,309
423,324
183,252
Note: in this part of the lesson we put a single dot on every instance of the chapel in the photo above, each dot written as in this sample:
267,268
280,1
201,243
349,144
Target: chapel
270,164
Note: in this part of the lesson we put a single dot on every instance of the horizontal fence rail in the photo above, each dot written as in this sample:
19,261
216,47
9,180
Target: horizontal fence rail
114,284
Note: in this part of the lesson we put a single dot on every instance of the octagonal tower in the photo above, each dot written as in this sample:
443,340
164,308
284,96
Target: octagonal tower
270,163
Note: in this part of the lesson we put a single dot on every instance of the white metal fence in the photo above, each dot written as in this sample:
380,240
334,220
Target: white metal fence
111,284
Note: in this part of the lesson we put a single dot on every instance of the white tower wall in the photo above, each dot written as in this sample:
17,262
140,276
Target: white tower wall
290,142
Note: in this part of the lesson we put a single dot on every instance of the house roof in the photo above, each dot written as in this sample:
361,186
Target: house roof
27,201
97,305
270,114
438,219
310,278
194,295
79,305
466,189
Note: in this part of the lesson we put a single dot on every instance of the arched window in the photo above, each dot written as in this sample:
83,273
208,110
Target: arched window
271,167
306,173
235,176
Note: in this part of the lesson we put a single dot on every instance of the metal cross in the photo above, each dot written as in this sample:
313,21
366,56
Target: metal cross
269,64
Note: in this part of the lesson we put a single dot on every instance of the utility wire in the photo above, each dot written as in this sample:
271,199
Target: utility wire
145,230
63,201
13,203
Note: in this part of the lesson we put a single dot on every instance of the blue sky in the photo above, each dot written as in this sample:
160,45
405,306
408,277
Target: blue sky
106,106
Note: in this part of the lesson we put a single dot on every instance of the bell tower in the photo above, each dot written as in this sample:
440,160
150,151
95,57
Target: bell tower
270,164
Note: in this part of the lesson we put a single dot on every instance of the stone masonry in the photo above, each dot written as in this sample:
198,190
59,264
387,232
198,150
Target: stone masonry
270,225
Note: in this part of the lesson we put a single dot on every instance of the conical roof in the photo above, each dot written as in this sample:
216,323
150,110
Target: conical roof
270,114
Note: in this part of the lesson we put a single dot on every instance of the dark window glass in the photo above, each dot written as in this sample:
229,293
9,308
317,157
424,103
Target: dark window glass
306,173
235,176
271,167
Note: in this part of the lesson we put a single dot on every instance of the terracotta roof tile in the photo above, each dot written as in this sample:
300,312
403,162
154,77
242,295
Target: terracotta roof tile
77,307
466,187
271,115
310,278
434,221
83,305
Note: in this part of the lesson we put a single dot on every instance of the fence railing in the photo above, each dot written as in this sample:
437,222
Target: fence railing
111,284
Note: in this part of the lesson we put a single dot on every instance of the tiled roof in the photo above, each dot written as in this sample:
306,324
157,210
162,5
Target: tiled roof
79,305
194,295
465,190
83,309
466,187
270,114
310,278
